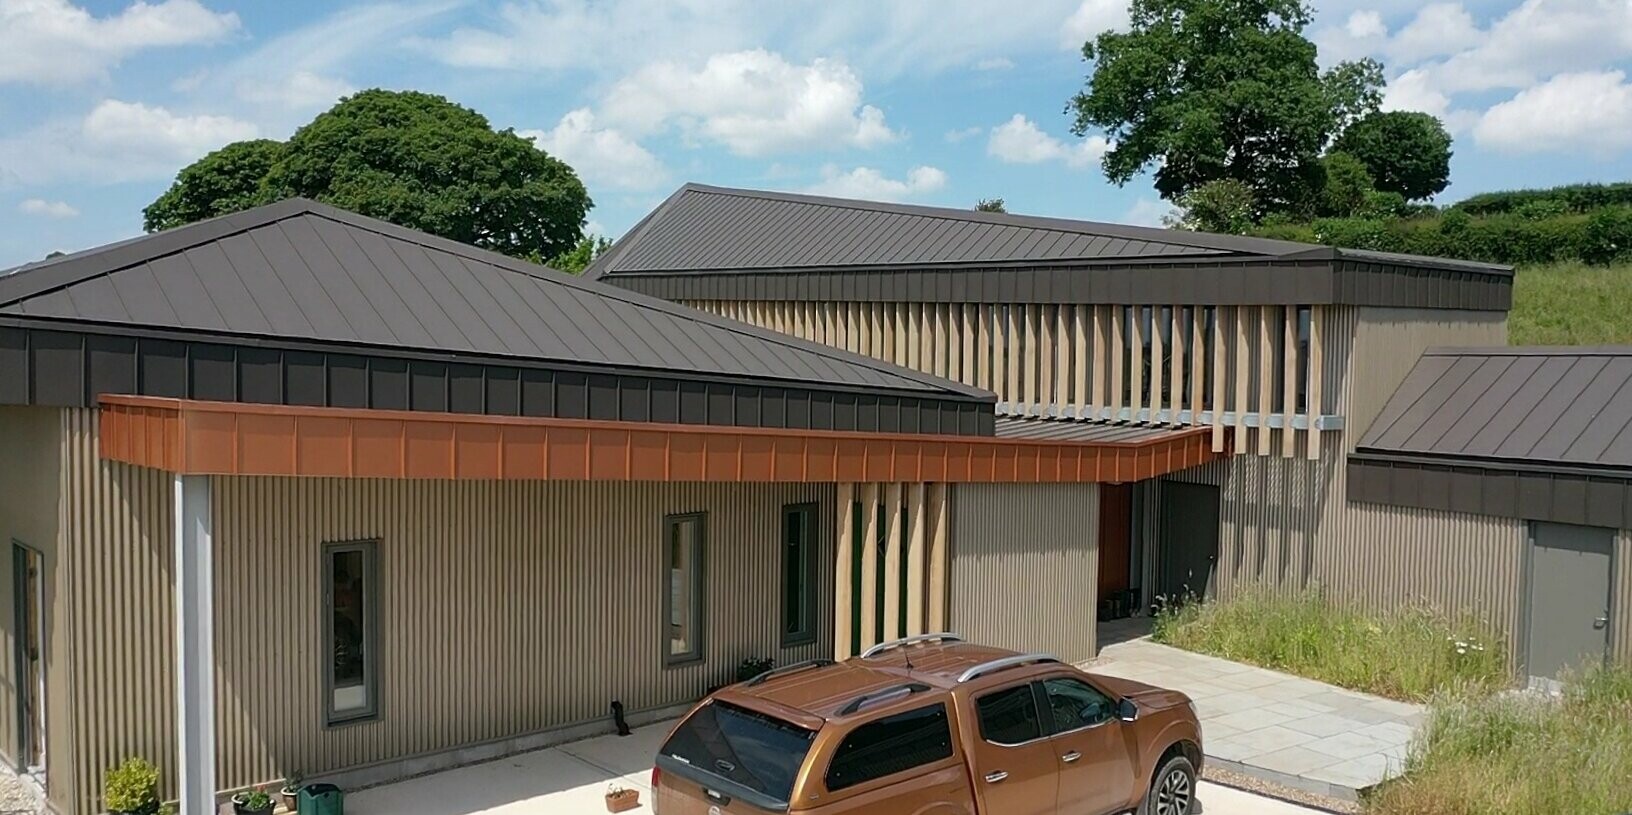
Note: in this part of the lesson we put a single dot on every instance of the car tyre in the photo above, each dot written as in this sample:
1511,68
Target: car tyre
1172,789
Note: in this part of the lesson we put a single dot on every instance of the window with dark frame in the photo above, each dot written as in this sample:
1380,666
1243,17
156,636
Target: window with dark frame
351,626
798,575
891,745
683,537
1008,717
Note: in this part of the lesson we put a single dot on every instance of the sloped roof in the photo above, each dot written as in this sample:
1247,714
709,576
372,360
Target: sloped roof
305,271
712,229
1520,406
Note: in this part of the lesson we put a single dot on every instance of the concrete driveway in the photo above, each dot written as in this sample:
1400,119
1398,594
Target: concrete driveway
571,780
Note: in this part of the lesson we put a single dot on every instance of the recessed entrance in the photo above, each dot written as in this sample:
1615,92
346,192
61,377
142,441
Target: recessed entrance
1189,541
29,636
1568,618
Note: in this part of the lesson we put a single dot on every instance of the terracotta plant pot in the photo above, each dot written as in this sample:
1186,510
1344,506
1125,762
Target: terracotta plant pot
290,797
622,800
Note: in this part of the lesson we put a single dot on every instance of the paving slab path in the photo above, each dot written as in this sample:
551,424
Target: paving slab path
1282,728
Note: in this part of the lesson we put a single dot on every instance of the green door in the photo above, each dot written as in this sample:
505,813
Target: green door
1189,541
1569,598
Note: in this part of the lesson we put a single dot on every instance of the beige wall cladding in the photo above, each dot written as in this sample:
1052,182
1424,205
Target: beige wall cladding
1620,623
30,479
1387,343
1024,566
117,551
506,608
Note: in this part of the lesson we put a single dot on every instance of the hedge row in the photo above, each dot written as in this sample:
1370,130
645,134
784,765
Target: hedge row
1600,237
1578,198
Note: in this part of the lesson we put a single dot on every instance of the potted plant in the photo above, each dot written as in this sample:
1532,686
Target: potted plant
132,788
251,802
291,792
620,799
753,666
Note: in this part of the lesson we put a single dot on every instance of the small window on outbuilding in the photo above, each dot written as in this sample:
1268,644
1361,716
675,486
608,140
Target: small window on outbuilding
351,626
683,595
798,575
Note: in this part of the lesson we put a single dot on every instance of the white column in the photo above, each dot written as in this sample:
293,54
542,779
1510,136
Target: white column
195,650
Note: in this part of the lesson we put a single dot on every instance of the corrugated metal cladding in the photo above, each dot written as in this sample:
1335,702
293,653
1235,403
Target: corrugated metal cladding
71,368
1078,430
1025,567
1621,612
31,475
1286,523
302,271
506,608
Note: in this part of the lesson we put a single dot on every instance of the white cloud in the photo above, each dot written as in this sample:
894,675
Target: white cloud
1589,111
1147,212
49,209
752,102
994,64
1020,141
1092,18
53,42
1364,24
301,90
600,155
964,134
1437,30
870,184
117,141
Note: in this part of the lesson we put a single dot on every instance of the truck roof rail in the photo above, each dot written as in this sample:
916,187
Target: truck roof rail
789,669
996,665
889,694
944,636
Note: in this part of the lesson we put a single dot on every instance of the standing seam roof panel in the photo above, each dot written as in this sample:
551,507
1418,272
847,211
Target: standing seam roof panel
141,292
1551,413
183,289
375,282
100,298
1593,391
1525,383
1465,388
363,320
227,291
438,326
265,285
1595,440
304,286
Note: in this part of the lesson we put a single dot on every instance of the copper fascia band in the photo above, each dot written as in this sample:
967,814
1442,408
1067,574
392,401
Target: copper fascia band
230,438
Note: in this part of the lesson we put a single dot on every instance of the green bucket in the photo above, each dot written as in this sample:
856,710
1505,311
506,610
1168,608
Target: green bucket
320,799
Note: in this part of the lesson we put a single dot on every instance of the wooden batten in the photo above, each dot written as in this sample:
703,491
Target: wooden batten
1316,395
843,577
1266,377
892,562
1289,381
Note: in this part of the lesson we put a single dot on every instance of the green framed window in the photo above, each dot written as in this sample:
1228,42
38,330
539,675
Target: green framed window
798,574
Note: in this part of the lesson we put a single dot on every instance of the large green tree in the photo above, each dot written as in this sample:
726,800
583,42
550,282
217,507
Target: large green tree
413,159
1405,152
1203,90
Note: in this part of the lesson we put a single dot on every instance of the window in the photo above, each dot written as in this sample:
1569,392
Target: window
891,745
1075,704
683,598
1009,716
798,575
757,751
350,599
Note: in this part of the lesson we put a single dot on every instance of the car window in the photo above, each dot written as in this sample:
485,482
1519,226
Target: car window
1074,704
891,745
760,752
1009,716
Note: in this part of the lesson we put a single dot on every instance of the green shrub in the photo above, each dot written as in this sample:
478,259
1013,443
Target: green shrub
1571,197
1407,653
1607,237
1520,754
133,786
1510,238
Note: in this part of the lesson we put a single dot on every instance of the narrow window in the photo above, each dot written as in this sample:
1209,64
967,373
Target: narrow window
798,575
891,745
683,601
1074,704
1009,717
1303,358
351,600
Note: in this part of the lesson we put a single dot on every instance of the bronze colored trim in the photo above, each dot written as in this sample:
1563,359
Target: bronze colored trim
229,438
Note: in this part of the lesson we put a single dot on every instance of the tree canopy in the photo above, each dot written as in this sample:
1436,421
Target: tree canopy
1204,90
413,159
990,205
578,258
1405,152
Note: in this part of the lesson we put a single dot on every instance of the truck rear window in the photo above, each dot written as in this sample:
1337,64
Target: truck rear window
760,752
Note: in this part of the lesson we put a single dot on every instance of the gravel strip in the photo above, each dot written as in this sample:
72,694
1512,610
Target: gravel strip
1284,793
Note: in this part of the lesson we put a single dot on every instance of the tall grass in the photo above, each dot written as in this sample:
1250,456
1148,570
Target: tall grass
1406,654
1513,754
1571,304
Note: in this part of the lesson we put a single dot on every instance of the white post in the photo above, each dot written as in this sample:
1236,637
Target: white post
195,650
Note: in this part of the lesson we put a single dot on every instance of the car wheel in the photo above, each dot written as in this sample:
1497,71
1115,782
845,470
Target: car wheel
1172,790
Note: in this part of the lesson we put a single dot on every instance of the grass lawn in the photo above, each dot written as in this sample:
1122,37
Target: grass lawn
1571,304
1407,654
1508,754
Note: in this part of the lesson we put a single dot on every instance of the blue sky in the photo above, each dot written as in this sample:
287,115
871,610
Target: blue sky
942,102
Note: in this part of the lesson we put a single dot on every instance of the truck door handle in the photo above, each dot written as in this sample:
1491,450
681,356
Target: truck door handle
1071,757
993,778
1601,623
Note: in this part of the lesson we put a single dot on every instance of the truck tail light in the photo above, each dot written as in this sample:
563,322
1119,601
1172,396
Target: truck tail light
657,778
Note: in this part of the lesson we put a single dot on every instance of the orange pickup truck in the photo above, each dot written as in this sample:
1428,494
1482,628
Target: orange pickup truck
932,724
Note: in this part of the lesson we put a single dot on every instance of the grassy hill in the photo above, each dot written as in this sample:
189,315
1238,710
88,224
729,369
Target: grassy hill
1571,304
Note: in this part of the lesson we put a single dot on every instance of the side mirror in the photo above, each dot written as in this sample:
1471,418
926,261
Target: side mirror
1126,710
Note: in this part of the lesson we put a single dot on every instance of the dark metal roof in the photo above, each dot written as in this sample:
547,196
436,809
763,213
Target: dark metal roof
305,271
718,243
1535,406
1078,430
